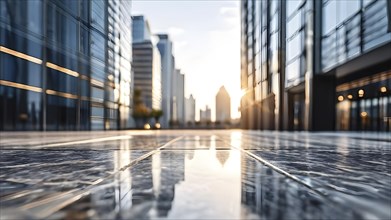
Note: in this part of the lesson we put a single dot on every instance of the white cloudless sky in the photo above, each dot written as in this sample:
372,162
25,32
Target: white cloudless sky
206,41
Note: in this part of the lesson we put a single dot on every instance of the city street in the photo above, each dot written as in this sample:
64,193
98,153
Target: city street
195,174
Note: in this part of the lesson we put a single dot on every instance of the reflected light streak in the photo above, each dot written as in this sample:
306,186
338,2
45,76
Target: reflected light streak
20,55
62,94
97,83
62,69
20,86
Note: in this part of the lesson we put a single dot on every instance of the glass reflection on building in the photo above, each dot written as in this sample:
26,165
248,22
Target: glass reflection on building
65,65
299,56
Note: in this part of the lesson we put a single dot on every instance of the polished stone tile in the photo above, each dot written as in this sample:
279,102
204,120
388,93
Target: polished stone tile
195,175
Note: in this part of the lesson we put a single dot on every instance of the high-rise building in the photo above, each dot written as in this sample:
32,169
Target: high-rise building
65,65
165,48
178,97
190,108
223,105
146,63
316,65
205,115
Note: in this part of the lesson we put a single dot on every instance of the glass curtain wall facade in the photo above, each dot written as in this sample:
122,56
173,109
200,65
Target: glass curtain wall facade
147,63
165,48
262,60
54,66
324,66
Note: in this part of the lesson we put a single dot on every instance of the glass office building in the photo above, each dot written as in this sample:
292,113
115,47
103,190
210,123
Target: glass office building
65,65
316,65
147,63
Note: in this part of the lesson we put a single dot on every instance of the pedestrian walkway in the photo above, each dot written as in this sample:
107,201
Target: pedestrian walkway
195,174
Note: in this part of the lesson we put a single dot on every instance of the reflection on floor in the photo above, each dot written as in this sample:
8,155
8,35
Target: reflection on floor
229,174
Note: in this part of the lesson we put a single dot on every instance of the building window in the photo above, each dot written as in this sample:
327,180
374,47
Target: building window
20,71
61,113
20,109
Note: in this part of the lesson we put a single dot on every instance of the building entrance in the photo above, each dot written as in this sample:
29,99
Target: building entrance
365,104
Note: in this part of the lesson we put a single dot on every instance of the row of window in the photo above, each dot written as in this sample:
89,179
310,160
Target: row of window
23,110
346,20
21,64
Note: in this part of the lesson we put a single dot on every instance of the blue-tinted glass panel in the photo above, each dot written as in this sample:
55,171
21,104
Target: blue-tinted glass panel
19,70
61,29
97,93
61,59
84,40
26,15
294,24
84,88
84,115
61,113
346,9
71,6
20,109
329,17
59,81
98,14
98,45
293,70
20,42
97,112
97,70
291,6
293,47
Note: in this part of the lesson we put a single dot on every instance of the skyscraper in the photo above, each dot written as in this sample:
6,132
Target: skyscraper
65,65
165,48
205,115
316,65
190,110
146,63
223,105
178,97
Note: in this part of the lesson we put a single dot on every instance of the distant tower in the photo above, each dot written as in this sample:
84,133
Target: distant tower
190,110
223,105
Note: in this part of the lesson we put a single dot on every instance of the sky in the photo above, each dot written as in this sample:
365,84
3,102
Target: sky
206,42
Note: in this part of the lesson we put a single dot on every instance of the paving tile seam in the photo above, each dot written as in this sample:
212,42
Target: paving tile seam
281,171
67,198
332,202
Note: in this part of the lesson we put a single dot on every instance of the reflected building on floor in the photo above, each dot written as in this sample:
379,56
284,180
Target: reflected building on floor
65,65
172,172
274,196
316,65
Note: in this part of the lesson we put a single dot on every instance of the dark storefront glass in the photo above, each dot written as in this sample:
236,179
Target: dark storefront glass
20,109
61,113
364,108
85,115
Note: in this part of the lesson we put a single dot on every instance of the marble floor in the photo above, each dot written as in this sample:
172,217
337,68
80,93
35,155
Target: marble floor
195,174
